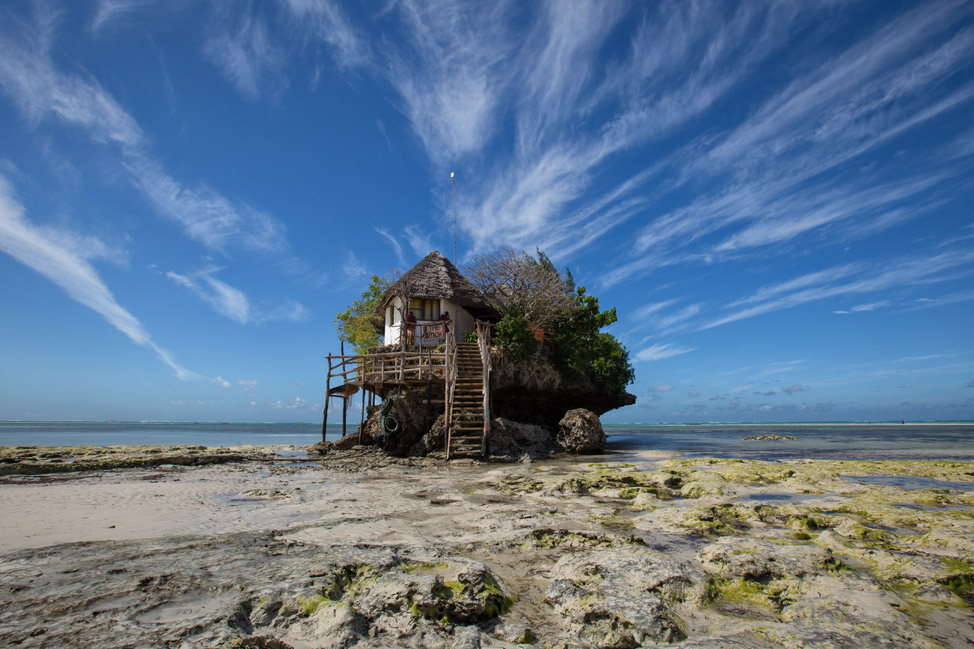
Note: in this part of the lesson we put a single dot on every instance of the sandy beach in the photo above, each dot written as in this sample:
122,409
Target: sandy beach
363,550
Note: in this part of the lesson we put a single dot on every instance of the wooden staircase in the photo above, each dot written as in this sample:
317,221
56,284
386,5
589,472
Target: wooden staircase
467,422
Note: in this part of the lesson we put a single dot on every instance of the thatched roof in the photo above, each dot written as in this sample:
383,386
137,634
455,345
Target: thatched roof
435,277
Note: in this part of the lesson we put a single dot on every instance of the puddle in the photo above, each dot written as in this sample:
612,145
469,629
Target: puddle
925,508
289,453
909,482
792,497
886,528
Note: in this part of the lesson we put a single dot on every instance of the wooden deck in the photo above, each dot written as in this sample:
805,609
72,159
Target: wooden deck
464,384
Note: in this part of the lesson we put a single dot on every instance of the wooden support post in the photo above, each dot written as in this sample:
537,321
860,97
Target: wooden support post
344,396
324,417
361,420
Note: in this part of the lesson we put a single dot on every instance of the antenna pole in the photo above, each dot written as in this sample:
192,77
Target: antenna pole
454,179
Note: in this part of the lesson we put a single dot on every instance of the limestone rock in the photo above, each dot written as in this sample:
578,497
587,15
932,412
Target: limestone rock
412,422
318,449
534,391
512,440
593,593
759,560
580,431
467,637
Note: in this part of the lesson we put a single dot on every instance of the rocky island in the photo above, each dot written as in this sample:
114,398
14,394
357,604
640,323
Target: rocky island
530,378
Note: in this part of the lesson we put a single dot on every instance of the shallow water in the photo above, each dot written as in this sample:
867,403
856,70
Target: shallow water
168,433
822,441
819,441
910,482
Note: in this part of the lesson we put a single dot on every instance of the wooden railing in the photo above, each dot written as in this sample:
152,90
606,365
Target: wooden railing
354,371
450,364
360,369
484,331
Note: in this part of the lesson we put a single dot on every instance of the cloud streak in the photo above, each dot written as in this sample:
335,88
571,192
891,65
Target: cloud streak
850,280
231,302
45,251
41,91
660,351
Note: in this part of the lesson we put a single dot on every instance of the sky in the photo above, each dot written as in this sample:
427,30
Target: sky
777,197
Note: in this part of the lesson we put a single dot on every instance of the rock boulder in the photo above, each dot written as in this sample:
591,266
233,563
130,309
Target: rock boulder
580,431
511,440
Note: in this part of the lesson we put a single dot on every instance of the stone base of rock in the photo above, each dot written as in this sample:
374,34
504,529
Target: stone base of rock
417,432
580,432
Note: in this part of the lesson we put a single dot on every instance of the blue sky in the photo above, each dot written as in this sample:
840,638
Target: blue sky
776,196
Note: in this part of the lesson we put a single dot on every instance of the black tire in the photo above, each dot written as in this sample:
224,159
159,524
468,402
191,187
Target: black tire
391,424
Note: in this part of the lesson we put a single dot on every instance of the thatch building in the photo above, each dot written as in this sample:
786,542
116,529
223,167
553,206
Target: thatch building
429,291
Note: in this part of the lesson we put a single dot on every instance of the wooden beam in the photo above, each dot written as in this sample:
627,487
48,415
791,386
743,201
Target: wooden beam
324,417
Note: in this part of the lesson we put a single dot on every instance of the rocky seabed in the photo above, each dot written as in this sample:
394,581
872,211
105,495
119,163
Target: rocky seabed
679,553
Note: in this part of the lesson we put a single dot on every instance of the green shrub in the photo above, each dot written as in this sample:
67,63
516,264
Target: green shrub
514,334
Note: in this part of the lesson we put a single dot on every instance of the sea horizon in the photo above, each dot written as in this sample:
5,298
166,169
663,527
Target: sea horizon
953,440
200,422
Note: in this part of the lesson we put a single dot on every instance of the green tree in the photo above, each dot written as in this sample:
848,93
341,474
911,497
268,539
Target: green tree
514,334
360,324
579,348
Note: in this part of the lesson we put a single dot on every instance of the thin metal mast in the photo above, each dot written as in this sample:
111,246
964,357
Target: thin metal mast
454,179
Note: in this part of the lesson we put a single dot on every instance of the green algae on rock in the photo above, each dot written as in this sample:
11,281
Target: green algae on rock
34,460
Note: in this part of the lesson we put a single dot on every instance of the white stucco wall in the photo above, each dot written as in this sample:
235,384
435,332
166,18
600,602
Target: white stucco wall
463,322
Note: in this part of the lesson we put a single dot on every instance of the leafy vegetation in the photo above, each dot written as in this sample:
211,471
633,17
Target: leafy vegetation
514,333
359,323
580,349
530,292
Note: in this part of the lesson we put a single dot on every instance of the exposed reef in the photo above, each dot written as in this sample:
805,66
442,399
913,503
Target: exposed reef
690,553
28,460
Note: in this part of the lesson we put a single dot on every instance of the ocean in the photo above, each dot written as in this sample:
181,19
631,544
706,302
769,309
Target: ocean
922,441
953,441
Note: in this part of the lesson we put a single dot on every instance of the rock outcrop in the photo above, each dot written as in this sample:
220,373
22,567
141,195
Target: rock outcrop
536,413
510,440
593,595
580,432
535,392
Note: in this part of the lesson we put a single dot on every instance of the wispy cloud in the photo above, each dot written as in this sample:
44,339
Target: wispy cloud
943,300
222,382
353,268
859,308
840,281
231,302
205,215
58,255
396,246
792,389
294,404
131,12
41,91
662,387
243,50
660,351
324,20
450,75
418,240
773,173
